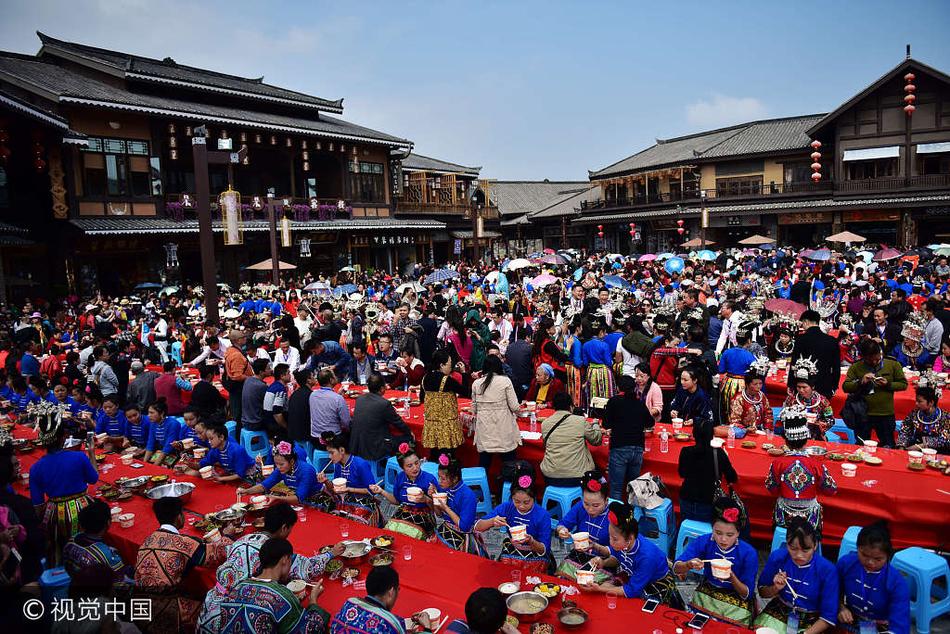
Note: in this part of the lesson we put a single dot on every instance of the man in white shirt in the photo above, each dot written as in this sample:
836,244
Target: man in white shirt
731,318
502,325
160,335
286,354
211,354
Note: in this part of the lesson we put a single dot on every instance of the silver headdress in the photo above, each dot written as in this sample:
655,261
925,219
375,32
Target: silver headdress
805,368
760,367
795,421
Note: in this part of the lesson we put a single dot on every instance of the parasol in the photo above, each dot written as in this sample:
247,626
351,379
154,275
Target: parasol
543,280
553,258
649,257
707,255
440,276
886,254
665,256
674,265
266,265
517,263
846,236
169,290
317,286
696,242
615,281
818,255
781,306
147,286
757,239
347,269
548,251
402,289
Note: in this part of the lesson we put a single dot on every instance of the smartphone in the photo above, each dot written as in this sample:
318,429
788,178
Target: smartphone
650,606
698,621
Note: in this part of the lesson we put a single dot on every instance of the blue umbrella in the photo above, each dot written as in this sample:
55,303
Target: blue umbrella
674,265
440,276
615,281
501,286
819,255
147,286
578,273
707,255
664,256
345,289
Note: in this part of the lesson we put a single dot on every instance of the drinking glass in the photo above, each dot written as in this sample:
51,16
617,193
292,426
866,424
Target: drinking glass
344,530
516,575
407,553
611,600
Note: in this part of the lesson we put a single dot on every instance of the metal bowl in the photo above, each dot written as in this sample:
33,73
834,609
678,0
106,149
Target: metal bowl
355,552
133,484
181,490
572,616
228,516
815,450
527,606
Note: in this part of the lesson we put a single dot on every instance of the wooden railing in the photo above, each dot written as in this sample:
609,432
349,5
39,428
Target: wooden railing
301,209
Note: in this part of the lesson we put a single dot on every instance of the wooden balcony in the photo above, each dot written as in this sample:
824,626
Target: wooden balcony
301,209
415,207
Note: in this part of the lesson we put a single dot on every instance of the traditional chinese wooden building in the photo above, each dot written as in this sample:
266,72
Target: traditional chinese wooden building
96,169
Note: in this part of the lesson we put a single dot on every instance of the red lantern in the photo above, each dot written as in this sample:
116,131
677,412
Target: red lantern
816,156
909,109
600,231
633,232
679,223
910,88
910,98
39,164
816,167
681,230
815,144
909,77
816,176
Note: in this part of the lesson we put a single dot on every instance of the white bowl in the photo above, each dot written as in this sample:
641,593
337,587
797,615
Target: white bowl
440,499
258,499
721,568
339,485
519,532
916,457
849,470
126,520
206,472
870,446
267,469
581,540
414,494
585,577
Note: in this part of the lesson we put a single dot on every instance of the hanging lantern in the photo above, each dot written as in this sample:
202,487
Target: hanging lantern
273,140
224,133
256,203
306,166
909,109
681,230
303,144
633,232
171,255
600,231
285,237
910,97
815,156
246,160
187,130
171,128
289,142
230,203
257,138
816,161
319,146
172,141
355,152
305,155
305,247
173,154
38,163
679,223
331,147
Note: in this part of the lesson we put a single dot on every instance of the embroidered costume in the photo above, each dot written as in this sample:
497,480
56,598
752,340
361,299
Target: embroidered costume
717,597
459,536
362,615
878,599
797,478
928,430
268,607
538,523
579,520
816,587
362,508
648,572
413,519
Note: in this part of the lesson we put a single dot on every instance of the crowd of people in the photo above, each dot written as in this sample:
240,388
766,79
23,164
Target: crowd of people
611,345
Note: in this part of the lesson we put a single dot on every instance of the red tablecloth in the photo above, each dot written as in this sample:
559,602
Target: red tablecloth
910,501
776,387
430,579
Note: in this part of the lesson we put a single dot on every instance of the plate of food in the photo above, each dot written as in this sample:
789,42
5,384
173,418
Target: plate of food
159,479
775,451
676,437
837,457
916,466
873,460
383,541
855,457
350,573
512,621
748,444
542,628
767,446
382,559
548,590
815,450
508,588
325,549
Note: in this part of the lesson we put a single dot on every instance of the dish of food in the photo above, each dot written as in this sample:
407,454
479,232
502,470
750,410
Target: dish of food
748,444
350,573
326,549
776,452
855,457
509,587
527,603
542,628
549,590
383,541
873,460
355,549
678,437
915,466
382,559
937,464
767,446
837,457
124,495
815,450
159,479
572,617
333,565
512,621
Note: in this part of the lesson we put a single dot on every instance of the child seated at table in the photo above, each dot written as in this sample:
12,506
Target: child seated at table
353,499
874,594
88,547
730,599
192,420
458,512
801,584
534,550
587,516
138,428
646,566
163,431
797,477
112,421
228,454
297,474
412,518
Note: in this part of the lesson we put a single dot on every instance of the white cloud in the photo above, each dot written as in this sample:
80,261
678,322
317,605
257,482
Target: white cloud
723,110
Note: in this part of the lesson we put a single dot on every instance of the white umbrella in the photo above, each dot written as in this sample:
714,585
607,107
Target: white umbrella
518,263
169,290
347,269
867,256
492,277
232,313
409,286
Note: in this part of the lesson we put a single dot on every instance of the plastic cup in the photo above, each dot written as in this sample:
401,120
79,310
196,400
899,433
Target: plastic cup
929,454
581,540
126,520
440,499
267,469
298,587
585,577
414,494
200,452
344,529
849,470
407,553
870,446
187,443
339,485
612,600
212,536
127,459
916,457
516,576
518,533
206,472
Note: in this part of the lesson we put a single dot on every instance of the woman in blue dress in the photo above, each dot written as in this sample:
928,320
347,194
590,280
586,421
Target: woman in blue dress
297,475
138,428
112,422
599,359
352,500
874,595
193,428
228,454
458,512
691,403
163,431
645,566
731,599
800,584
534,551
411,518
587,516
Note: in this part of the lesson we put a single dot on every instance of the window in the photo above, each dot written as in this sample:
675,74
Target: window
120,168
798,172
311,187
876,168
367,182
743,186
930,164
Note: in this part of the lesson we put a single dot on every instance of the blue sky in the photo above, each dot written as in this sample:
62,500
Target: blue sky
528,90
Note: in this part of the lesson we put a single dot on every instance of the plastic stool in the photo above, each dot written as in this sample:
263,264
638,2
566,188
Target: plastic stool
54,584
319,459
379,468
304,447
840,433
255,442
558,501
665,522
431,468
232,429
476,479
505,491
923,568
849,543
690,529
392,470
781,535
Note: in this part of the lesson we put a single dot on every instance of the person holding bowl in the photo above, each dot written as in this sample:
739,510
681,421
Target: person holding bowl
227,453
586,522
297,475
529,528
347,492
413,516
455,504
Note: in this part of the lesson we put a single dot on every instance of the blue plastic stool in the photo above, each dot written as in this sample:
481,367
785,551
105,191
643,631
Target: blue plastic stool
319,459
849,543
306,446
431,468
923,568
476,479
780,536
392,470
558,501
231,426
505,491
840,433
255,442
665,522
54,584
690,529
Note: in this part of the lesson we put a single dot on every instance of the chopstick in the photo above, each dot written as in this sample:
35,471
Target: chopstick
788,584
441,623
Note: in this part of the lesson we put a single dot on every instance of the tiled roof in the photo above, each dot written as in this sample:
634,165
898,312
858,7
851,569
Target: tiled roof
469,234
424,163
525,197
125,226
752,208
146,68
58,83
6,227
567,206
33,111
756,137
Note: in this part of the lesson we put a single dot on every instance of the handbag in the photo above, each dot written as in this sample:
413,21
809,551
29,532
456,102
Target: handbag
854,412
732,495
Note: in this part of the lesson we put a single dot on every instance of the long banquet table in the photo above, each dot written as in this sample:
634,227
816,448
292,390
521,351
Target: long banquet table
435,577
